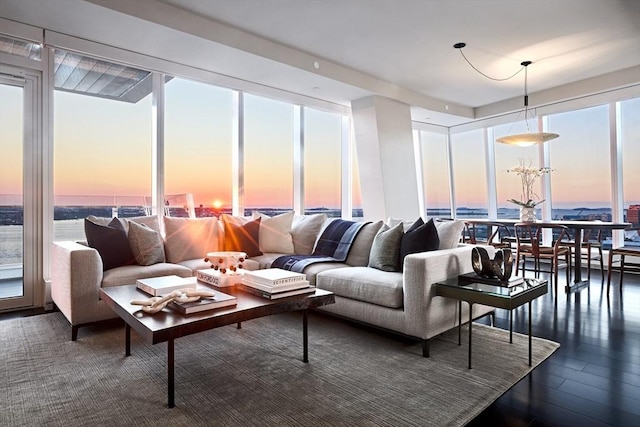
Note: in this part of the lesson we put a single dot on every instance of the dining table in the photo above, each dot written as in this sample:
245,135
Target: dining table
578,226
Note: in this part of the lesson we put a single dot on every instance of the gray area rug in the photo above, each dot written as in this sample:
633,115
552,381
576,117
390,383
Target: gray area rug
253,376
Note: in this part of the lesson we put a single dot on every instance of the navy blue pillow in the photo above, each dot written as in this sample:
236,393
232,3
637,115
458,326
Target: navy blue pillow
111,242
420,237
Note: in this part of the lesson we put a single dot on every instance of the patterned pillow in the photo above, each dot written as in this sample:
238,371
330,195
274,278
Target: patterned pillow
146,244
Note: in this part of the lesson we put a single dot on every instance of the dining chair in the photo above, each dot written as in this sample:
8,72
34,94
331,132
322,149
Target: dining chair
590,250
529,244
622,265
497,233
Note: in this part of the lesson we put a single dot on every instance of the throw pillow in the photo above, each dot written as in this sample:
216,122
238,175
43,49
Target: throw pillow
275,232
243,238
111,243
190,238
420,237
361,246
146,244
385,250
449,233
304,232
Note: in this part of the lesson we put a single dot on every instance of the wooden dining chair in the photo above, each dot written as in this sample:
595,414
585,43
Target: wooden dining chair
622,264
591,248
497,233
529,244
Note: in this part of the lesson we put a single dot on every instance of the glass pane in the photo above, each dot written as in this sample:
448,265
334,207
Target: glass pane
322,162
268,154
21,48
198,142
581,179
508,184
11,207
469,174
630,137
102,160
435,166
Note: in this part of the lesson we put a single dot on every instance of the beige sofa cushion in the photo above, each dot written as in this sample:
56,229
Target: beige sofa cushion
449,233
364,284
128,274
146,244
190,238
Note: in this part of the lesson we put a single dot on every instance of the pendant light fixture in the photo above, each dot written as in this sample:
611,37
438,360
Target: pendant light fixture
523,139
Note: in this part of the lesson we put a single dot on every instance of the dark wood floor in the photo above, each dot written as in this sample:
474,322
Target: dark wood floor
593,379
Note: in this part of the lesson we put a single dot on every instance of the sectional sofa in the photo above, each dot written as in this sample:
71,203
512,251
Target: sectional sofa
375,284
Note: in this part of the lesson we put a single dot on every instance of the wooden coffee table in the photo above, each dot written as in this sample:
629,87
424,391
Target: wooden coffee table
168,324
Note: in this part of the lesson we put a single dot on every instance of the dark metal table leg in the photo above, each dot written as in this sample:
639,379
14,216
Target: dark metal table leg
460,322
127,340
305,337
470,323
529,304
511,326
170,374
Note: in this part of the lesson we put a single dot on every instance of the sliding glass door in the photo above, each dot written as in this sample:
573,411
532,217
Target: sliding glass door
14,291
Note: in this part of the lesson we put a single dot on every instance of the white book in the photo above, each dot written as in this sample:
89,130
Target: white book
218,301
275,289
278,295
275,276
163,285
215,278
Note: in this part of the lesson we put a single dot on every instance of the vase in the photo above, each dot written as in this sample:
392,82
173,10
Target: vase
527,214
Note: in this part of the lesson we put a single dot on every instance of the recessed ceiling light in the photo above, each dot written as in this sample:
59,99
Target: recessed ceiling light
316,65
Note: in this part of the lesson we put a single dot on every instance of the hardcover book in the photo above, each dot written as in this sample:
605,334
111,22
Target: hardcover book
278,288
159,286
216,278
276,295
218,301
275,276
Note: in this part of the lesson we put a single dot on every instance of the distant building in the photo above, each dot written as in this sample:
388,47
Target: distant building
633,214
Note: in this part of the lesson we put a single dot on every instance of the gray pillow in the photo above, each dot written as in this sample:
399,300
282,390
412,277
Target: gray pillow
146,244
385,251
304,232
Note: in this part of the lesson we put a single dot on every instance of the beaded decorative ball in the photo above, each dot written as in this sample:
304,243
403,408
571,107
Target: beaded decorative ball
226,262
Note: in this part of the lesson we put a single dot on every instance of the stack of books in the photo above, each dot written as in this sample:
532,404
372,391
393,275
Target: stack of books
275,283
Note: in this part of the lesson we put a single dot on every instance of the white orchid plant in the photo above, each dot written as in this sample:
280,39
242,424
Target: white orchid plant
528,174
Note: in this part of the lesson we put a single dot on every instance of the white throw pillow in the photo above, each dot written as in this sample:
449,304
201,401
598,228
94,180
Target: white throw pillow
275,233
449,233
305,231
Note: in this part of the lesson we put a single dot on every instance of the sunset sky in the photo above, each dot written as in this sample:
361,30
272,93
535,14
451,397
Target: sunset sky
103,149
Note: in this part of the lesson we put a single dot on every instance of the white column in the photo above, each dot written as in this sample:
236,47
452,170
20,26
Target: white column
386,158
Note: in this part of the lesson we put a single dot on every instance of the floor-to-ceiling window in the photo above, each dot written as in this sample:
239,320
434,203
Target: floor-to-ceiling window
322,162
102,142
198,146
435,174
11,189
268,154
469,174
630,139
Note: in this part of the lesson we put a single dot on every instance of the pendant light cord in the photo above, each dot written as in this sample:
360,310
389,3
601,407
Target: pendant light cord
480,72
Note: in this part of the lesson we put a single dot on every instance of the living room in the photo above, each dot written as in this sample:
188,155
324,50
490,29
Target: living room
459,172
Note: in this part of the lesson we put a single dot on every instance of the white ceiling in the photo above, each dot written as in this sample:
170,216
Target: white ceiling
401,49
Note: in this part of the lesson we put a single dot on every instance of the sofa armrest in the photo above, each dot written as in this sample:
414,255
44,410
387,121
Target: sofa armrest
424,310
76,275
